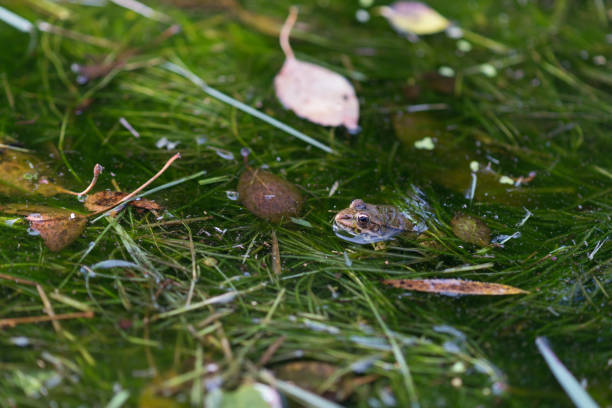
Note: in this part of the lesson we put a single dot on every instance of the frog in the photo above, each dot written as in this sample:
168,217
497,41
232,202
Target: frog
369,223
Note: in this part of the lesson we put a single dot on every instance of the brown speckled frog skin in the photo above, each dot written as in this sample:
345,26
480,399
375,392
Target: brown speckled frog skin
371,219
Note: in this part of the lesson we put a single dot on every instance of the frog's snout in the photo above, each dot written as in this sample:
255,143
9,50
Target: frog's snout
342,217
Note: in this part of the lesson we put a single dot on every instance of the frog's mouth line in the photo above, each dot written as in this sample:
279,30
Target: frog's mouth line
360,238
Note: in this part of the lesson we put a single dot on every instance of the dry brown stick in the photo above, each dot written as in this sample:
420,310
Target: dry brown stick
96,171
174,222
276,263
272,349
48,308
17,280
13,321
139,189
43,297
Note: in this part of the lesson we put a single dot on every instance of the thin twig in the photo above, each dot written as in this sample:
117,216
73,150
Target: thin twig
276,264
43,297
96,172
267,355
13,321
139,189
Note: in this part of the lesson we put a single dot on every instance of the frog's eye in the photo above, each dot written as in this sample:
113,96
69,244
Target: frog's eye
363,219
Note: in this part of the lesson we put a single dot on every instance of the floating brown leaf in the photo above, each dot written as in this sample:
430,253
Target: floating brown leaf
58,228
454,286
104,199
24,173
268,196
471,229
313,92
413,17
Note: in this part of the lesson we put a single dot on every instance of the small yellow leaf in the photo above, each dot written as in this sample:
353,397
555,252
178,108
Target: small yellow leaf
414,17
454,287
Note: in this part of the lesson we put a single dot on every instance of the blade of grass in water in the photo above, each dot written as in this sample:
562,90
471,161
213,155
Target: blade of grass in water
245,108
16,21
569,383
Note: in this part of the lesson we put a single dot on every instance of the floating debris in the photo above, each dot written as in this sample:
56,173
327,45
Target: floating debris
334,188
427,143
129,127
164,142
500,240
597,248
224,154
313,92
528,214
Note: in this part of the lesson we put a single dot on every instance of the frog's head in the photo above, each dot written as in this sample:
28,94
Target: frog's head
360,218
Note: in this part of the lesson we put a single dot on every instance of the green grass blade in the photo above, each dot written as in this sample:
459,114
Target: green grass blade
243,107
569,383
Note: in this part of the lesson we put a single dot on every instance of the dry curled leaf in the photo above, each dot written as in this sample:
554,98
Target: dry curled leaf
58,228
104,199
413,17
471,229
313,92
453,286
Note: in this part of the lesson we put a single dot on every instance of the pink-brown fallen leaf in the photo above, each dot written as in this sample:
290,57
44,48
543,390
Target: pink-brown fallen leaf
454,287
104,199
313,92
57,228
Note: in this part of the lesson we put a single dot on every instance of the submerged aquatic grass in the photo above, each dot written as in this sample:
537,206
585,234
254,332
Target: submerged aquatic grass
193,301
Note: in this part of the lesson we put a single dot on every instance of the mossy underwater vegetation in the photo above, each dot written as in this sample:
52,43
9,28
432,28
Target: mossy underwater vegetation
494,115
